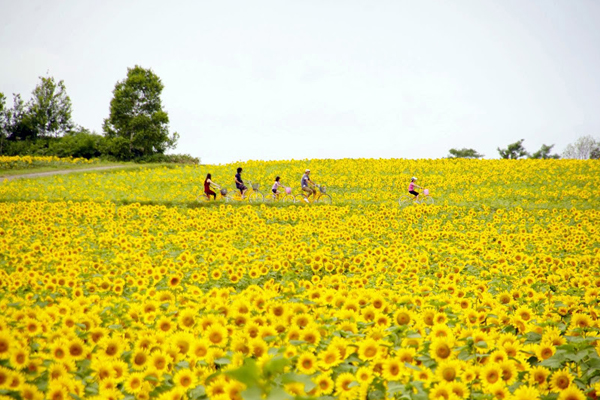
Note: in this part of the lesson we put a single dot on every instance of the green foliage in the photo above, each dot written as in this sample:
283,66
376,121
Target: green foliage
544,153
464,153
50,108
136,115
169,158
81,143
513,151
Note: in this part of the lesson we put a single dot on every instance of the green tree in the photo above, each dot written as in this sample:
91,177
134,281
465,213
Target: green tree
136,115
464,153
513,151
19,124
3,121
544,153
50,109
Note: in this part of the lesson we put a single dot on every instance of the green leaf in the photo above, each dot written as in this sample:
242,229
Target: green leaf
248,373
291,377
116,327
252,393
197,392
279,394
276,365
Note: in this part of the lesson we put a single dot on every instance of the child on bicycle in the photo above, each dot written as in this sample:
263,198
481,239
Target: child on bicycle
412,186
207,187
239,183
276,185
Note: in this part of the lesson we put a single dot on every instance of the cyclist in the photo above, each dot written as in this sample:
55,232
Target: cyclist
207,187
276,185
412,186
307,186
239,183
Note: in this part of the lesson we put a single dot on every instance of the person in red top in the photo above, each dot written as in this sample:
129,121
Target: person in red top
207,187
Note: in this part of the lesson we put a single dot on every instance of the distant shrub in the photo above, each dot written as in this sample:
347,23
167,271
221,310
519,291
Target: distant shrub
168,158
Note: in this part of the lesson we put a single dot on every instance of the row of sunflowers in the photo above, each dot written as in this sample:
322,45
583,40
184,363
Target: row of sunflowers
493,183
359,300
31,162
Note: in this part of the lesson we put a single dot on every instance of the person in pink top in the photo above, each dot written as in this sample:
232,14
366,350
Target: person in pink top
412,186
276,186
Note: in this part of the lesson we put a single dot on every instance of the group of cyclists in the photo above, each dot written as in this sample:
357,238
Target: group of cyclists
307,185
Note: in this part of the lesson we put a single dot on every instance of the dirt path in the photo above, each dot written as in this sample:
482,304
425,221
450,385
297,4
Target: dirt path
58,172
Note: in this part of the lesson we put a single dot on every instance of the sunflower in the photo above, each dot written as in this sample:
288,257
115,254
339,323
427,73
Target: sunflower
403,317
19,357
491,373
561,380
460,389
538,375
307,363
498,390
441,349
442,390
393,369
159,360
526,393
185,320
342,383
509,371
184,379
329,358
571,393
31,392
368,349
139,359
448,370
6,342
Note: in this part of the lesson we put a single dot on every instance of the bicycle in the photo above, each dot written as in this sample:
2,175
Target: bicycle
321,197
408,199
286,197
221,195
253,195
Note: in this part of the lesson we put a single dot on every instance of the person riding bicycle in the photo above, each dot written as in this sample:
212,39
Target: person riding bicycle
276,185
207,187
239,183
307,185
412,186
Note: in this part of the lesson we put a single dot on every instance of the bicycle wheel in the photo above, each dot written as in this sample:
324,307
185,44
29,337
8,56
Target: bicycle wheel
256,197
271,198
405,200
288,198
324,199
300,199
428,200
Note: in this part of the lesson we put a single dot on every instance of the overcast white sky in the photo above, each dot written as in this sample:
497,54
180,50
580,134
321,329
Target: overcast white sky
324,79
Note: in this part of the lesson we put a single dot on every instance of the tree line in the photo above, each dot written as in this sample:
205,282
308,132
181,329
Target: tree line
584,148
137,127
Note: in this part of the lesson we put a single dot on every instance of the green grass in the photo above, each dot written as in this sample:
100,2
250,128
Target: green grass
62,167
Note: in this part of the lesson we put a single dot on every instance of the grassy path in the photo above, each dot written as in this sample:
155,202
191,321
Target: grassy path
59,172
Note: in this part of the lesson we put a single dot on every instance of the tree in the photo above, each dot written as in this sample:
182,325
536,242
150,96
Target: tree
544,153
3,121
464,153
136,115
50,109
514,150
19,124
584,148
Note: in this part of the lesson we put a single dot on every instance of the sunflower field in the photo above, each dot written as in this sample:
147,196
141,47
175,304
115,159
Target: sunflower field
28,162
121,285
